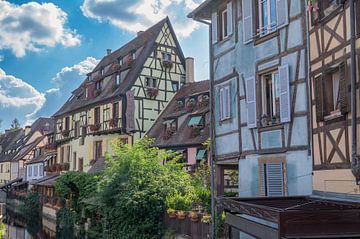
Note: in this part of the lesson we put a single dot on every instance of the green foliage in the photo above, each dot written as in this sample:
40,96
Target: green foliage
134,188
2,230
65,221
30,210
220,225
180,202
15,124
76,186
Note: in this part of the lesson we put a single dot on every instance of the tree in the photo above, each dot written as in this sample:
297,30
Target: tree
15,124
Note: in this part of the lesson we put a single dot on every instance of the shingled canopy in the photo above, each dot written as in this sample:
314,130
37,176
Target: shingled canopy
293,217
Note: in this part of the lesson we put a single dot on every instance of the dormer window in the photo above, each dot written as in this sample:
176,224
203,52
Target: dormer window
175,86
102,71
170,127
86,92
133,55
98,85
120,61
117,79
196,121
151,82
180,103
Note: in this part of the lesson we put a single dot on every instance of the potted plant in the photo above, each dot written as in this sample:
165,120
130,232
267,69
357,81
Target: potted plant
94,127
65,133
194,216
171,212
195,132
206,218
264,120
181,215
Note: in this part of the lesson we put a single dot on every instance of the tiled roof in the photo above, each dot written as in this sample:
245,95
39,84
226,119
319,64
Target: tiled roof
183,135
48,180
143,44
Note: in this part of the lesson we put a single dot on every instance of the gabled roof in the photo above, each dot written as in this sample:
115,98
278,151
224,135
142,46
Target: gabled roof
143,44
182,137
203,11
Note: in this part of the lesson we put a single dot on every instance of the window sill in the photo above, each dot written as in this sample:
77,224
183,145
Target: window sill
225,121
262,38
222,41
333,117
271,127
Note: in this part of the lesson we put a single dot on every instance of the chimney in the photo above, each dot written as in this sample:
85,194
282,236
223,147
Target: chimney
108,51
189,63
139,33
27,130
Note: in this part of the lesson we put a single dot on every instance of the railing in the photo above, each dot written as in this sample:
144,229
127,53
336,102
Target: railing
59,167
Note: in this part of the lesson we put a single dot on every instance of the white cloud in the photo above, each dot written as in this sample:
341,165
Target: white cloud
72,76
33,26
19,98
137,15
2,58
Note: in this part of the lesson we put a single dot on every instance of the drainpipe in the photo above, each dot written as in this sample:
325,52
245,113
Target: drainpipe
212,130
355,163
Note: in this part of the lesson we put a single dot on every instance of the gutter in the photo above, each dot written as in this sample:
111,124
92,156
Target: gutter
355,159
212,129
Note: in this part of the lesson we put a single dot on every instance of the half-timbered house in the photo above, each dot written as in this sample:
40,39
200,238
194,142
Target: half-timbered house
331,73
184,124
121,98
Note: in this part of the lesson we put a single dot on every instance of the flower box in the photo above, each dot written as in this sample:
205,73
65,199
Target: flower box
65,133
94,127
152,92
116,67
167,63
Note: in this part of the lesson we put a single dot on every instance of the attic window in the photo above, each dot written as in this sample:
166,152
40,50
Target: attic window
117,79
133,55
98,85
195,120
86,92
175,86
102,71
120,61
151,82
166,56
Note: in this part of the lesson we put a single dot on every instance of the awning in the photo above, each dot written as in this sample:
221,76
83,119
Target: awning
48,157
292,217
200,154
195,120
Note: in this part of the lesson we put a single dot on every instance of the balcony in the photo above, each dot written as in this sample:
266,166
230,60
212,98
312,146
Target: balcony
56,168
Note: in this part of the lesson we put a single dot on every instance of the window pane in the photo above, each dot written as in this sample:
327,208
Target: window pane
273,15
336,84
264,15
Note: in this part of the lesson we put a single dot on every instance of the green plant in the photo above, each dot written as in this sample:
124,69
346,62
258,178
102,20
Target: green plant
179,201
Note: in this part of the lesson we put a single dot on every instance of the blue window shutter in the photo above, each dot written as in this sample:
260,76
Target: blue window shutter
214,27
274,180
282,13
247,21
230,18
285,105
251,101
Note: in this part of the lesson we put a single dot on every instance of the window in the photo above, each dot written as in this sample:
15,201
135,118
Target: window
133,55
41,170
97,115
30,171
62,149
98,150
332,93
117,79
1,168
115,111
74,161
99,85
201,154
77,129
102,71
166,56
224,103
68,153
270,95
175,86
81,164
35,171
67,123
224,22
267,16
272,181
196,120
151,82
86,92
120,61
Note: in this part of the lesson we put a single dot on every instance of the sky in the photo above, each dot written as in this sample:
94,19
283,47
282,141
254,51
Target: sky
48,47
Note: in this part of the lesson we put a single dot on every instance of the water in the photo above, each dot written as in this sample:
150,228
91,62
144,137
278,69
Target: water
17,227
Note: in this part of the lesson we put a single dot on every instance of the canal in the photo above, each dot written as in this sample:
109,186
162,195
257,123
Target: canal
18,227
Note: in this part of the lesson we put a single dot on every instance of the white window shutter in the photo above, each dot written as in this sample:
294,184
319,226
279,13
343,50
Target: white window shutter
282,13
229,18
251,101
285,106
274,180
247,21
214,26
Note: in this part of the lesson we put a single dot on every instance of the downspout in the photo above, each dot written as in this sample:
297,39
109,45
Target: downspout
212,130
309,92
355,162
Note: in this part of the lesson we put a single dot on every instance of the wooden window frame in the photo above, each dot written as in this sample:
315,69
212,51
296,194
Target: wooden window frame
115,111
97,117
67,123
62,152
117,79
273,90
260,20
98,151
74,161
154,82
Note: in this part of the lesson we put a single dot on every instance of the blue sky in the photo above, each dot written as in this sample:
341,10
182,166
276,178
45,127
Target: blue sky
46,47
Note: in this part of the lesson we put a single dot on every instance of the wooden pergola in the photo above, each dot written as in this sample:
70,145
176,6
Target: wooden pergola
293,217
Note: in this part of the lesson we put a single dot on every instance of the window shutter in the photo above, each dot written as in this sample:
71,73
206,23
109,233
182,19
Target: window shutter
228,102
285,108
274,179
262,178
344,89
282,13
319,98
214,26
247,21
251,101
229,18
221,90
